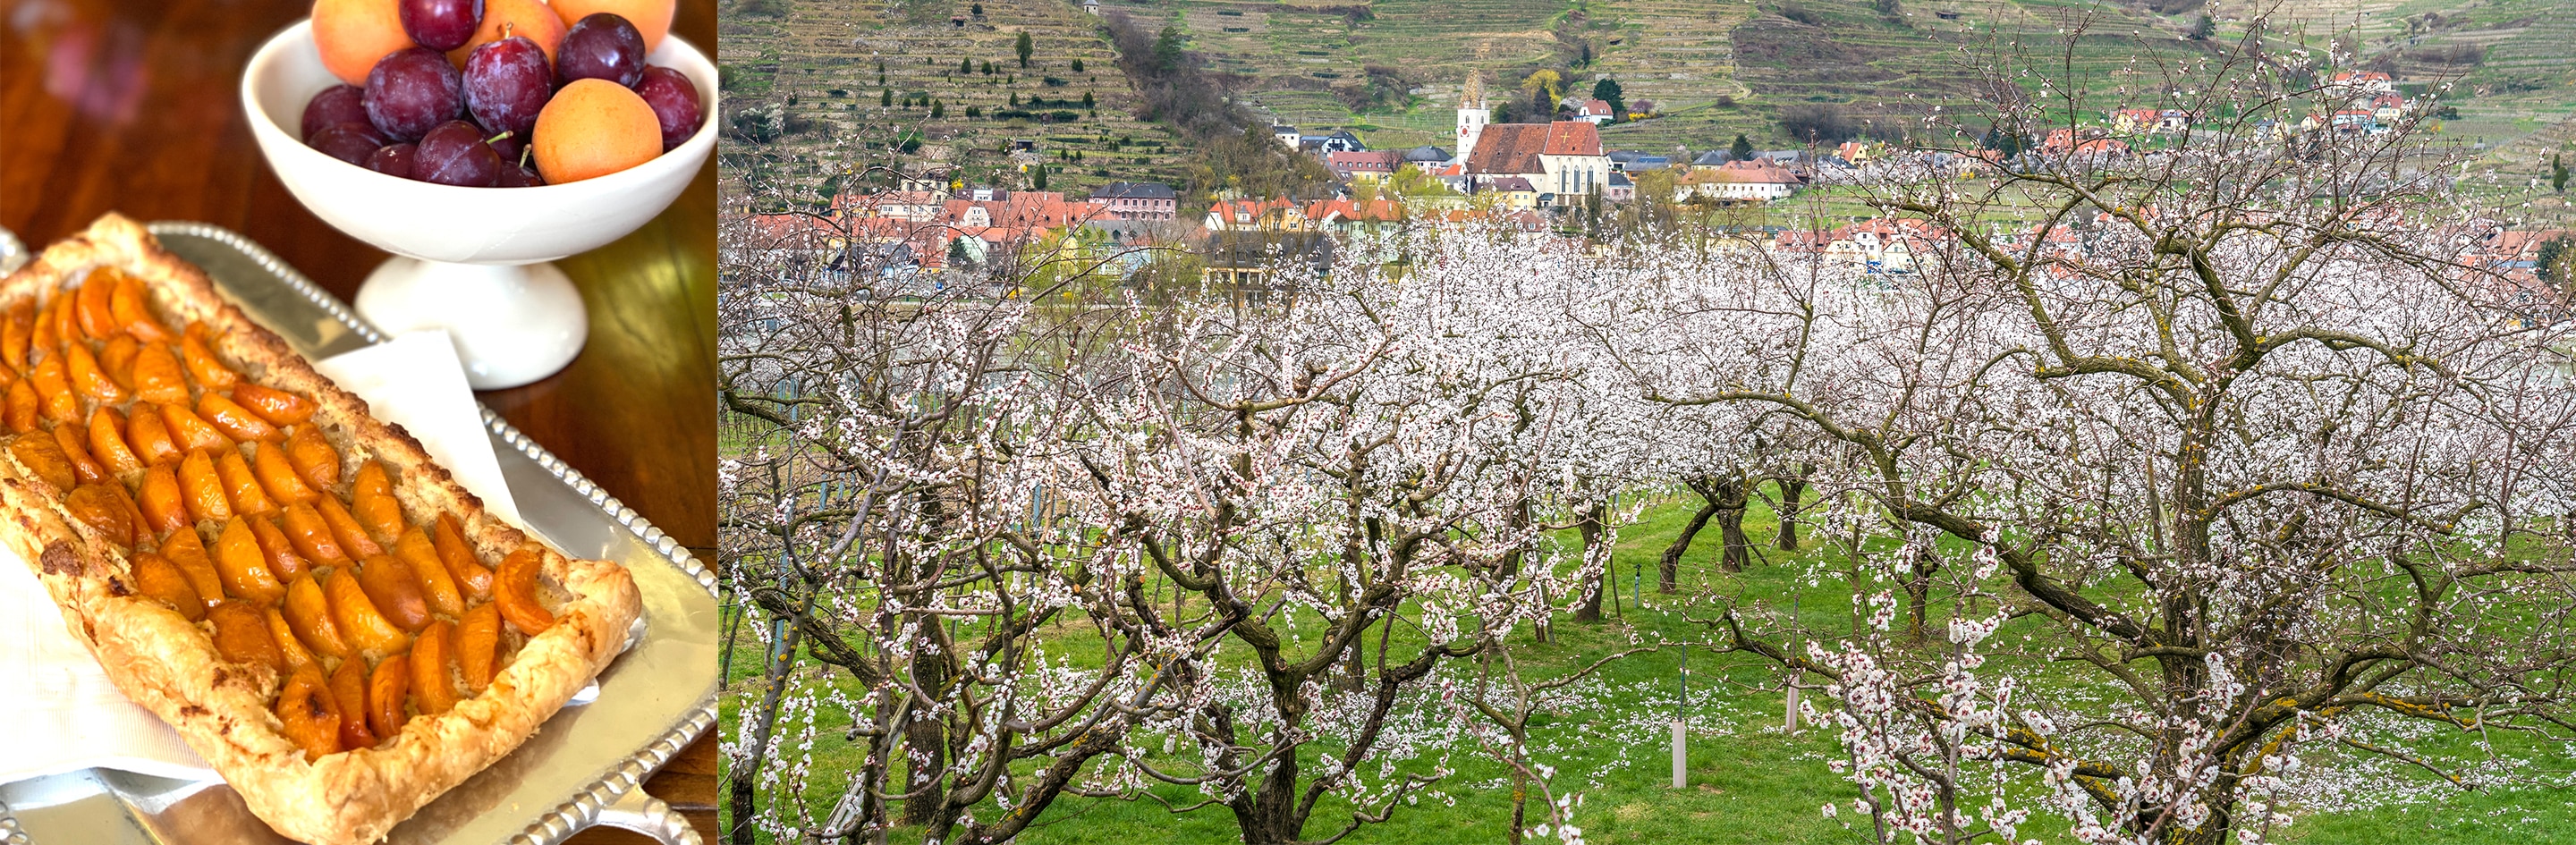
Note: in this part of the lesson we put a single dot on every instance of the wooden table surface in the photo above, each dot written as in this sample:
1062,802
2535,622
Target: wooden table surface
135,107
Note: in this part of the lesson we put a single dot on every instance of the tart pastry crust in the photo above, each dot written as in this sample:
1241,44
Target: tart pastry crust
222,708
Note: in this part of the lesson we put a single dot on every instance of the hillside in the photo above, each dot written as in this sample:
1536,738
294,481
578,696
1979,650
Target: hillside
1392,70
826,56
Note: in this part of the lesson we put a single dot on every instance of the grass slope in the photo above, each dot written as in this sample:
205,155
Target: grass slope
1750,782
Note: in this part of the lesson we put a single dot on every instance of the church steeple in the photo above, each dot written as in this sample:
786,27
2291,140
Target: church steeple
1472,113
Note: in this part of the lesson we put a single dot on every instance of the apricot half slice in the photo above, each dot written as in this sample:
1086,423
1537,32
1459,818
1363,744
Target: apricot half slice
201,363
241,486
274,548
132,312
157,376
202,490
103,510
156,578
245,570
374,502
313,457
308,614
385,692
151,438
22,406
515,590
241,634
54,390
312,536
308,714
471,576
396,592
436,584
353,539
433,681
277,406
349,690
187,552
192,431
298,657
360,621
107,443
43,455
90,379
91,308
84,467
478,646
268,461
117,357
164,507
235,420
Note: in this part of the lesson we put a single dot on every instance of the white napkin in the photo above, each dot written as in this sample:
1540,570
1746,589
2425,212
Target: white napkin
59,713
415,381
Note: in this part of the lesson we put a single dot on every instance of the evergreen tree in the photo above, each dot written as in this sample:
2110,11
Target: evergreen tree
1089,103
1742,150
2551,263
1077,65
1025,48
957,256
2558,173
1037,178
1167,51
938,110
2207,27
978,9
1015,99
965,66
1607,90
886,97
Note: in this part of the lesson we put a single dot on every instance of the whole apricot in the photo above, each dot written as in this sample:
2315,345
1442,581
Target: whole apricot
594,127
650,17
527,19
354,34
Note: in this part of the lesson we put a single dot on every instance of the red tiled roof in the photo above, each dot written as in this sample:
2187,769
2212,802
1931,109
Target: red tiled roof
1507,148
1513,148
1573,138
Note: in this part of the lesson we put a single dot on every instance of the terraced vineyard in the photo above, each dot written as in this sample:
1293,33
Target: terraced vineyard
1391,70
825,54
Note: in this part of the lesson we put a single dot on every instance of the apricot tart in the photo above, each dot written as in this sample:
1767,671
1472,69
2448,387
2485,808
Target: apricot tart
319,609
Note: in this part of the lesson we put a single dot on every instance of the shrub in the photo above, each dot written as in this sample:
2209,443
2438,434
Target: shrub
1817,122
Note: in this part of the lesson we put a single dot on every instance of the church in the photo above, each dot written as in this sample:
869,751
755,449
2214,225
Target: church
1563,161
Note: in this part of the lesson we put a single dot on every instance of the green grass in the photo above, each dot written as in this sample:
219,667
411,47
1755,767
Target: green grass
1749,782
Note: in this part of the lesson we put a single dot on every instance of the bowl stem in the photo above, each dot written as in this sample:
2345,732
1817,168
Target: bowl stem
513,324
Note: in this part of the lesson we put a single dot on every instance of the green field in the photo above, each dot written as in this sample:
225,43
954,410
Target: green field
1750,782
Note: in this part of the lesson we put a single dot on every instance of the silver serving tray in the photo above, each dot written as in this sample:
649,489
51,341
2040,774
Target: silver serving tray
582,768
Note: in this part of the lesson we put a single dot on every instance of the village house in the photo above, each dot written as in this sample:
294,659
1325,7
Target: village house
1368,166
1286,134
1737,182
1636,161
2388,108
1510,193
1588,110
1338,141
1250,215
1621,188
1562,161
1138,200
1857,153
2346,83
1354,216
